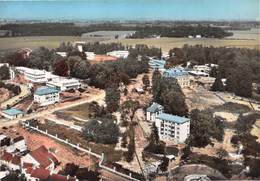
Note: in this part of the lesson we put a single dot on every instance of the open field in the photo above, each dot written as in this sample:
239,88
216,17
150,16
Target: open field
167,43
34,42
254,34
80,111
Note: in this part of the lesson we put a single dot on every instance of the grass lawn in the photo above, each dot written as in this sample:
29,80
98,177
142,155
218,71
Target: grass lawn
167,43
80,111
32,42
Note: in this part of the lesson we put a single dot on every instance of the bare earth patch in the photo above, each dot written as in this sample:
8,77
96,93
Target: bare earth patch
256,130
230,117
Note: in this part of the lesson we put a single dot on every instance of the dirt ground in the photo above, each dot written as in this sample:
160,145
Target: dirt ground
225,144
230,117
63,153
5,94
200,98
256,130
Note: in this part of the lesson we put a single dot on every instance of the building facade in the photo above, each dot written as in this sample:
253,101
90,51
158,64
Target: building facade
64,84
46,95
119,53
171,127
153,111
12,113
180,74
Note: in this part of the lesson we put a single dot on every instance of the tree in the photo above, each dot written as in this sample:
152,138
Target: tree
95,110
204,127
155,145
4,73
61,68
164,165
101,130
70,169
146,81
218,84
112,99
129,154
222,153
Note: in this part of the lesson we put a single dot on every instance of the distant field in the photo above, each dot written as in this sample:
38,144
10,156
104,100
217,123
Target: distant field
34,42
168,43
253,34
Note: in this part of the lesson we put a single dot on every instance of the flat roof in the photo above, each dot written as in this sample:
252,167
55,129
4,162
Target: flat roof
12,111
44,90
172,118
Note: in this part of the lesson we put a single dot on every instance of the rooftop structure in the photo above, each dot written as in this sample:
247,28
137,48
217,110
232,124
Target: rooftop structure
46,95
172,118
63,54
157,64
153,111
90,55
64,84
119,53
12,113
180,74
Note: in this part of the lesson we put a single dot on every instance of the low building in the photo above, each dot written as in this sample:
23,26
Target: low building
46,95
10,160
119,53
63,54
180,74
90,55
153,111
157,64
41,157
64,84
4,140
12,113
19,144
171,127
33,75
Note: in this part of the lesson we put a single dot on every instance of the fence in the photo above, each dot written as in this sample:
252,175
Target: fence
77,146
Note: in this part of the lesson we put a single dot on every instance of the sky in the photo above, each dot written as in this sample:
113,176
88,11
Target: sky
131,10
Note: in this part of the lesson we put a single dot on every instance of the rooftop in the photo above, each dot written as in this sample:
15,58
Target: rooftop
43,156
12,111
172,118
44,90
175,72
154,107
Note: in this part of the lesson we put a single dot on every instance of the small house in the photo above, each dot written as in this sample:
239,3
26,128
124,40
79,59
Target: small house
12,113
153,111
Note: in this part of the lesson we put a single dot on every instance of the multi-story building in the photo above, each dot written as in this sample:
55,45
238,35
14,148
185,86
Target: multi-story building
46,95
153,111
33,75
157,64
64,84
119,53
180,74
171,127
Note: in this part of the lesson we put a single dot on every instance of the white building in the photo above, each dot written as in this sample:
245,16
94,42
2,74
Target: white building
153,111
33,75
171,127
63,54
119,53
64,84
46,95
12,113
90,55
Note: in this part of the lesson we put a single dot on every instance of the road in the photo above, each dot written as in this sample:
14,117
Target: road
57,107
24,92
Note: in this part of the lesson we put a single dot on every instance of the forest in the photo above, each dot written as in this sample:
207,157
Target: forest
70,29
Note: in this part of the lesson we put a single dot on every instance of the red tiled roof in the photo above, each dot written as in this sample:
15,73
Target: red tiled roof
40,173
27,165
43,157
7,156
58,177
14,159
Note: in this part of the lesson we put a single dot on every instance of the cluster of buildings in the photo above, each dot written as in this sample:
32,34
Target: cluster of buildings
170,127
39,164
180,74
